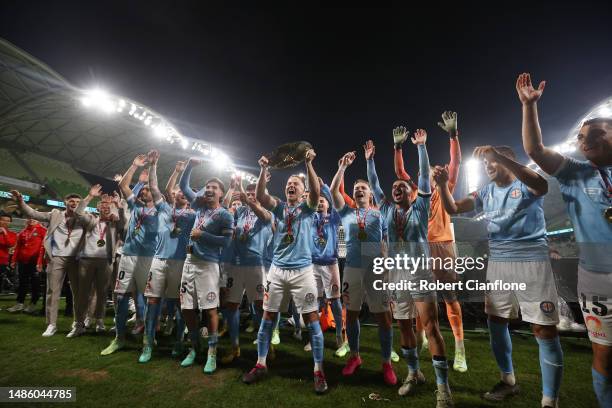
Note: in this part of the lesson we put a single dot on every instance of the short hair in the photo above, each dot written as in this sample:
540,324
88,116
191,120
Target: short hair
251,186
6,215
72,195
302,179
506,151
592,121
218,181
361,181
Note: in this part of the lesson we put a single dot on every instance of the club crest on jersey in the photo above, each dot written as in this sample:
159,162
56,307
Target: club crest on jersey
547,307
211,296
516,193
334,288
309,298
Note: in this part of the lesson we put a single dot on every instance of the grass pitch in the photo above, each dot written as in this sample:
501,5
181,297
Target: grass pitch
120,381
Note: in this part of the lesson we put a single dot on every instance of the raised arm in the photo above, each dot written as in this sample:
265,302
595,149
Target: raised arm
185,178
313,180
419,139
449,125
153,185
338,200
548,159
88,219
534,182
400,134
171,184
369,150
227,200
325,191
124,183
266,200
347,198
29,211
451,206
259,211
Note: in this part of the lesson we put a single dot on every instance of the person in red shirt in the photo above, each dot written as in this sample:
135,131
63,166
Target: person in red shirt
7,241
27,250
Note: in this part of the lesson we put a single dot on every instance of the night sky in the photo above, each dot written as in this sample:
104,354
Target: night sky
252,78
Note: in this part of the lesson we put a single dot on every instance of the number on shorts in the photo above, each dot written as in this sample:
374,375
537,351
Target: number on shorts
599,308
121,275
267,286
230,282
345,287
150,276
184,287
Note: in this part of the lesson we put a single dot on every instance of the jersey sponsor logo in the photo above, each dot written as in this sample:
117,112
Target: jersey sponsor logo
516,193
593,324
547,307
211,296
309,298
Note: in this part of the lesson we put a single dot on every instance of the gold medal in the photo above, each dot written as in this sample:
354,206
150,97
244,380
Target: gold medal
101,243
362,235
175,232
288,239
322,242
244,237
608,214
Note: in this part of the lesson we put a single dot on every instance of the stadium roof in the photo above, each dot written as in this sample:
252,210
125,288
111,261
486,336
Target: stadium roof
41,112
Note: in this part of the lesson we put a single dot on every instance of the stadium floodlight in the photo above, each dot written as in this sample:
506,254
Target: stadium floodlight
98,99
160,131
184,144
222,161
472,167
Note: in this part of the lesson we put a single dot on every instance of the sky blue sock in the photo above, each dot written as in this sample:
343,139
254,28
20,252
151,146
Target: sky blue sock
336,308
263,337
180,326
501,344
411,356
140,306
551,365
603,388
352,332
151,313
316,341
385,336
213,339
441,369
121,316
233,320
170,307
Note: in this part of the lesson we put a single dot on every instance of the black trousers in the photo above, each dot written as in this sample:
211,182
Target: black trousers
28,278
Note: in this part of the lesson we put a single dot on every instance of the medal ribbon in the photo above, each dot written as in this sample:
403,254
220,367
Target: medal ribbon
142,216
361,222
176,216
400,219
607,181
289,216
204,218
320,225
102,231
69,226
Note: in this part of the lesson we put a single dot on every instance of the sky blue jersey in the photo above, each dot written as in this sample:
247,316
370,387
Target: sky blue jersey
141,237
325,233
174,229
251,235
585,191
516,225
292,253
372,222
